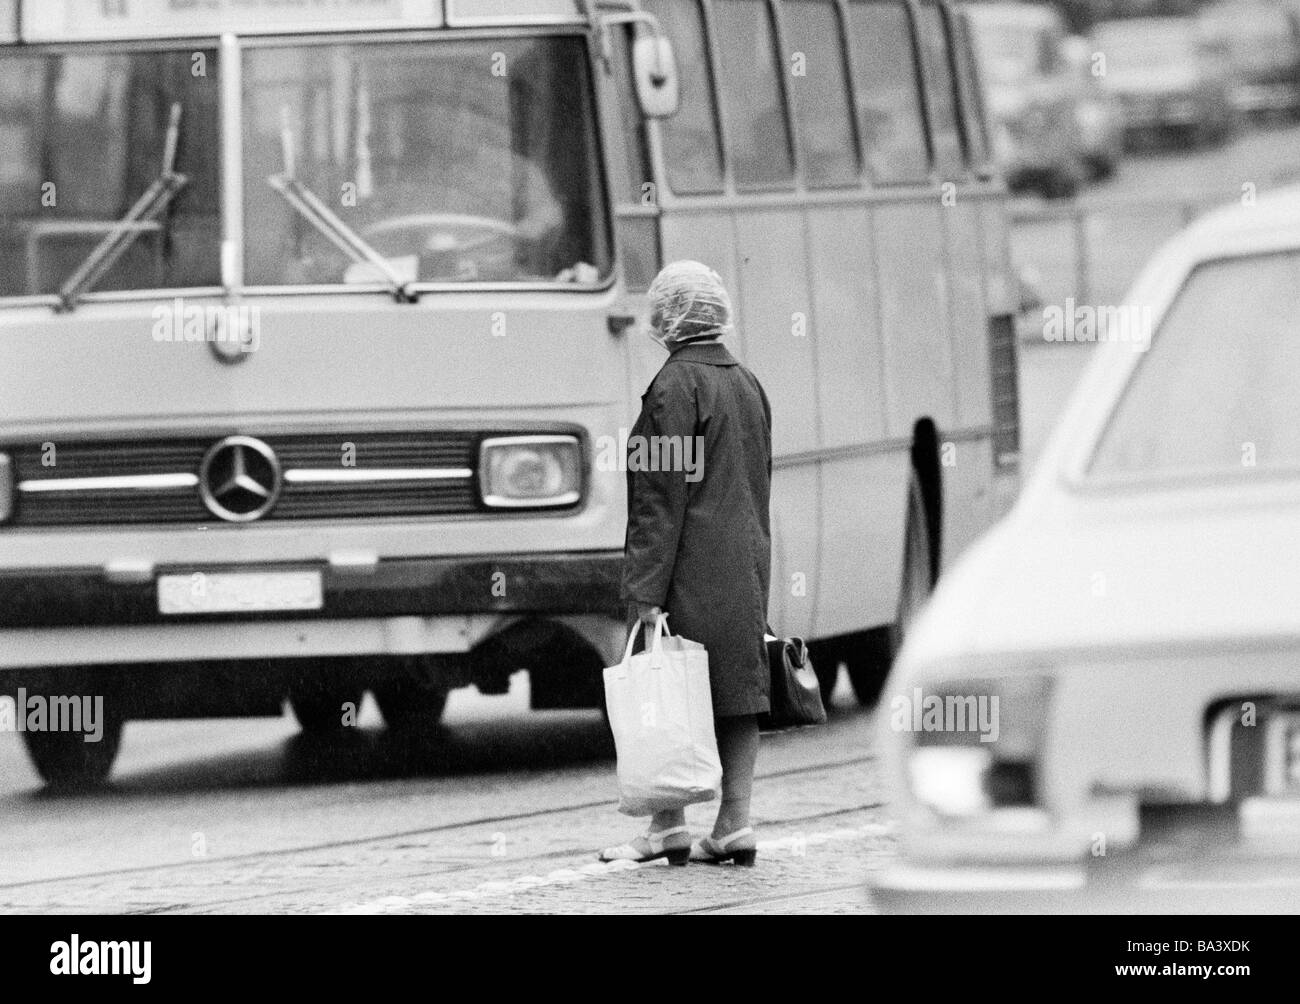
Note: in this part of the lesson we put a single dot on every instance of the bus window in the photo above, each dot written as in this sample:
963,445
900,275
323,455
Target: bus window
629,144
692,150
888,95
758,136
943,97
83,138
636,216
498,182
824,117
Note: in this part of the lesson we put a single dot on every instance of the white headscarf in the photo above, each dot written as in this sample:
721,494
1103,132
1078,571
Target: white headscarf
691,301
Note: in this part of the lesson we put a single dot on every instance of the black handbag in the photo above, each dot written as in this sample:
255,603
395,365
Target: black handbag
796,696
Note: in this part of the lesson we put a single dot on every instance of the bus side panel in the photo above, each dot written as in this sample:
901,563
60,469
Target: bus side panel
708,236
845,326
773,310
995,243
862,513
796,586
968,498
970,340
914,312
862,497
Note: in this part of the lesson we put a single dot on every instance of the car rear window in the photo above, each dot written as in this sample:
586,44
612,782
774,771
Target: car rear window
1218,391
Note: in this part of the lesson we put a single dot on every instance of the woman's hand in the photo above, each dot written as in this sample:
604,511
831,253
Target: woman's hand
647,614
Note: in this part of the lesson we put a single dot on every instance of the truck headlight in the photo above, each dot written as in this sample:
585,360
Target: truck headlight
6,487
975,745
525,472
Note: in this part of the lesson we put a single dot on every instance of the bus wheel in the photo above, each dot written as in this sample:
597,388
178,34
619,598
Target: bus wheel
412,707
66,762
826,657
869,663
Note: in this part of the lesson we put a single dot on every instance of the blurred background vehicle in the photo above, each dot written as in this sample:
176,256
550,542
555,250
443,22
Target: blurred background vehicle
1262,40
1097,112
1126,639
1030,92
1171,81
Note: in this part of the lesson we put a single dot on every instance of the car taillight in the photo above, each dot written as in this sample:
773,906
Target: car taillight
975,745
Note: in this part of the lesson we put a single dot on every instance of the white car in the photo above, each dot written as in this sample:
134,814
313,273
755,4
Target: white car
1099,708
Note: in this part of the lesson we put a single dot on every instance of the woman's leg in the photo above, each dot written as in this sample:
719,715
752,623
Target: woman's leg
661,821
738,750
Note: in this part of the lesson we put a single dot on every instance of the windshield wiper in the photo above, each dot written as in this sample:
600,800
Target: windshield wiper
314,211
138,220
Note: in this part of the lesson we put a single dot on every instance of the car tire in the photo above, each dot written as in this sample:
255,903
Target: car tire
66,762
872,657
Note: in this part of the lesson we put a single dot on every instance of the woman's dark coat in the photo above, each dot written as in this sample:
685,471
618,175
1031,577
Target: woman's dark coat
699,540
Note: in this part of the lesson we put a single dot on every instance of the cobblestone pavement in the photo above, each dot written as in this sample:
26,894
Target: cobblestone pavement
504,814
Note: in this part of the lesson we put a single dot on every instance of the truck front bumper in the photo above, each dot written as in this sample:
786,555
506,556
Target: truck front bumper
400,606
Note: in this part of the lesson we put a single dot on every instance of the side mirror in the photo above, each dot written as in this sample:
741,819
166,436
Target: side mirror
654,69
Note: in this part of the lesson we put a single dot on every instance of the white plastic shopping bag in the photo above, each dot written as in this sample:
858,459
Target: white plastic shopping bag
661,711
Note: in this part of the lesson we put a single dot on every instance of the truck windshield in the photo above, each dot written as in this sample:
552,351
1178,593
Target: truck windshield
82,138
455,161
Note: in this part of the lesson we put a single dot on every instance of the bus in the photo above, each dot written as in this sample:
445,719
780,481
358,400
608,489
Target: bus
317,323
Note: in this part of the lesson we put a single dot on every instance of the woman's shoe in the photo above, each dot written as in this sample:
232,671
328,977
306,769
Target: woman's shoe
630,852
715,852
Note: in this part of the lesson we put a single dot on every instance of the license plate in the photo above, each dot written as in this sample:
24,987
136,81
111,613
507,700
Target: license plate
236,592
1282,745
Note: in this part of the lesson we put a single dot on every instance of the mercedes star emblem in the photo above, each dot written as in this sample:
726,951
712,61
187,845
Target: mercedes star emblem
239,479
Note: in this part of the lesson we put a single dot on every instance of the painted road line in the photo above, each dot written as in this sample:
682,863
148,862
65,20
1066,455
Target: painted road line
793,844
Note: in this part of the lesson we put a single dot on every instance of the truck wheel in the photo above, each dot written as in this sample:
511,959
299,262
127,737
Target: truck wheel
826,657
412,707
66,762
320,711
870,660
320,688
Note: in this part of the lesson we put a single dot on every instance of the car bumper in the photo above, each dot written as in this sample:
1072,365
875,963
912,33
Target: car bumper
1257,870
1121,884
408,606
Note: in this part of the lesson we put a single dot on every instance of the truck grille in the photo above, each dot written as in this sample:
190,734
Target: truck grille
324,476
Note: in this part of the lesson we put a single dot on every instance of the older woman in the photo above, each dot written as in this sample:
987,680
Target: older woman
699,545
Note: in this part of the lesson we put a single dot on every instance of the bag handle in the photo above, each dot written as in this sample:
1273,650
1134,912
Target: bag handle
656,647
797,643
